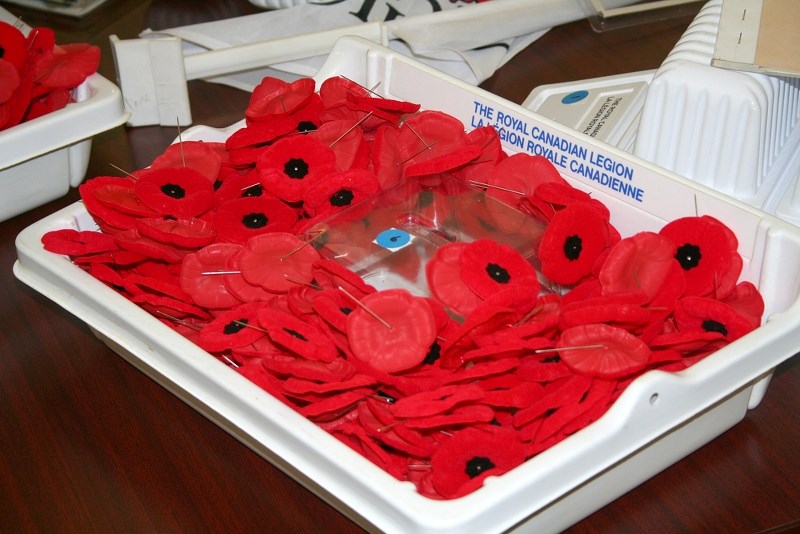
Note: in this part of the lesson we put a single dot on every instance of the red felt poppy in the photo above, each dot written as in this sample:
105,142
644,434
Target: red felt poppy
333,307
119,196
550,197
134,241
113,279
422,137
624,310
12,111
107,217
157,285
273,97
747,301
488,267
13,46
572,242
710,315
177,192
165,306
198,278
517,177
340,191
67,66
40,41
642,262
492,153
347,140
385,108
51,101
233,328
71,242
706,250
482,320
9,80
237,184
602,350
202,156
298,336
330,274
237,285
277,261
288,167
285,364
462,463
188,233
241,218
402,344
443,274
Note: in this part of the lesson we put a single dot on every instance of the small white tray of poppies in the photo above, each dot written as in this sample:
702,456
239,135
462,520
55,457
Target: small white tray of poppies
409,235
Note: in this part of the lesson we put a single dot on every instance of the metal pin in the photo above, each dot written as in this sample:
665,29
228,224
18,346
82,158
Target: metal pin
353,127
492,186
364,87
179,321
366,309
248,325
230,362
180,140
576,347
389,426
415,154
210,273
124,171
312,284
304,243
405,123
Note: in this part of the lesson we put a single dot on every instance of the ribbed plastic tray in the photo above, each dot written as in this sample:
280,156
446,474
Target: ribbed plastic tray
660,418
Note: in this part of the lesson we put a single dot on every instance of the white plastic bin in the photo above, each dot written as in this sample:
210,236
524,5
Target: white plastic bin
660,418
42,158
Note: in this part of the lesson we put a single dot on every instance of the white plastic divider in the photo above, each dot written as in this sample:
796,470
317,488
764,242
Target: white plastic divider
660,418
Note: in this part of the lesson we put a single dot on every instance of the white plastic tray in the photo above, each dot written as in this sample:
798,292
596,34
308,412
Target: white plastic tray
40,159
659,419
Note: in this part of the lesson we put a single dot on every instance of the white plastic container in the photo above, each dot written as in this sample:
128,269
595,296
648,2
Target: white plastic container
659,419
42,158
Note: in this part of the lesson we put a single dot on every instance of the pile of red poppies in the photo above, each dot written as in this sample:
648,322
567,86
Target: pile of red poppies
509,355
37,76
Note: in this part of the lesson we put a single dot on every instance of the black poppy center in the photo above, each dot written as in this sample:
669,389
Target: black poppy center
477,465
497,273
295,168
255,220
217,184
173,190
2,52
345,310
433,354
342,197
295,333
234,326
572,247
688,256
710,325
306,126
253,191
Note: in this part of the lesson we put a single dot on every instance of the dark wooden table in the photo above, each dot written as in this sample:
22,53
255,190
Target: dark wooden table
90,444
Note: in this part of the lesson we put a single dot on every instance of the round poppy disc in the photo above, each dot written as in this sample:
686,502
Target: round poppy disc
277,261
443,273
488,266
602,350
400,346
